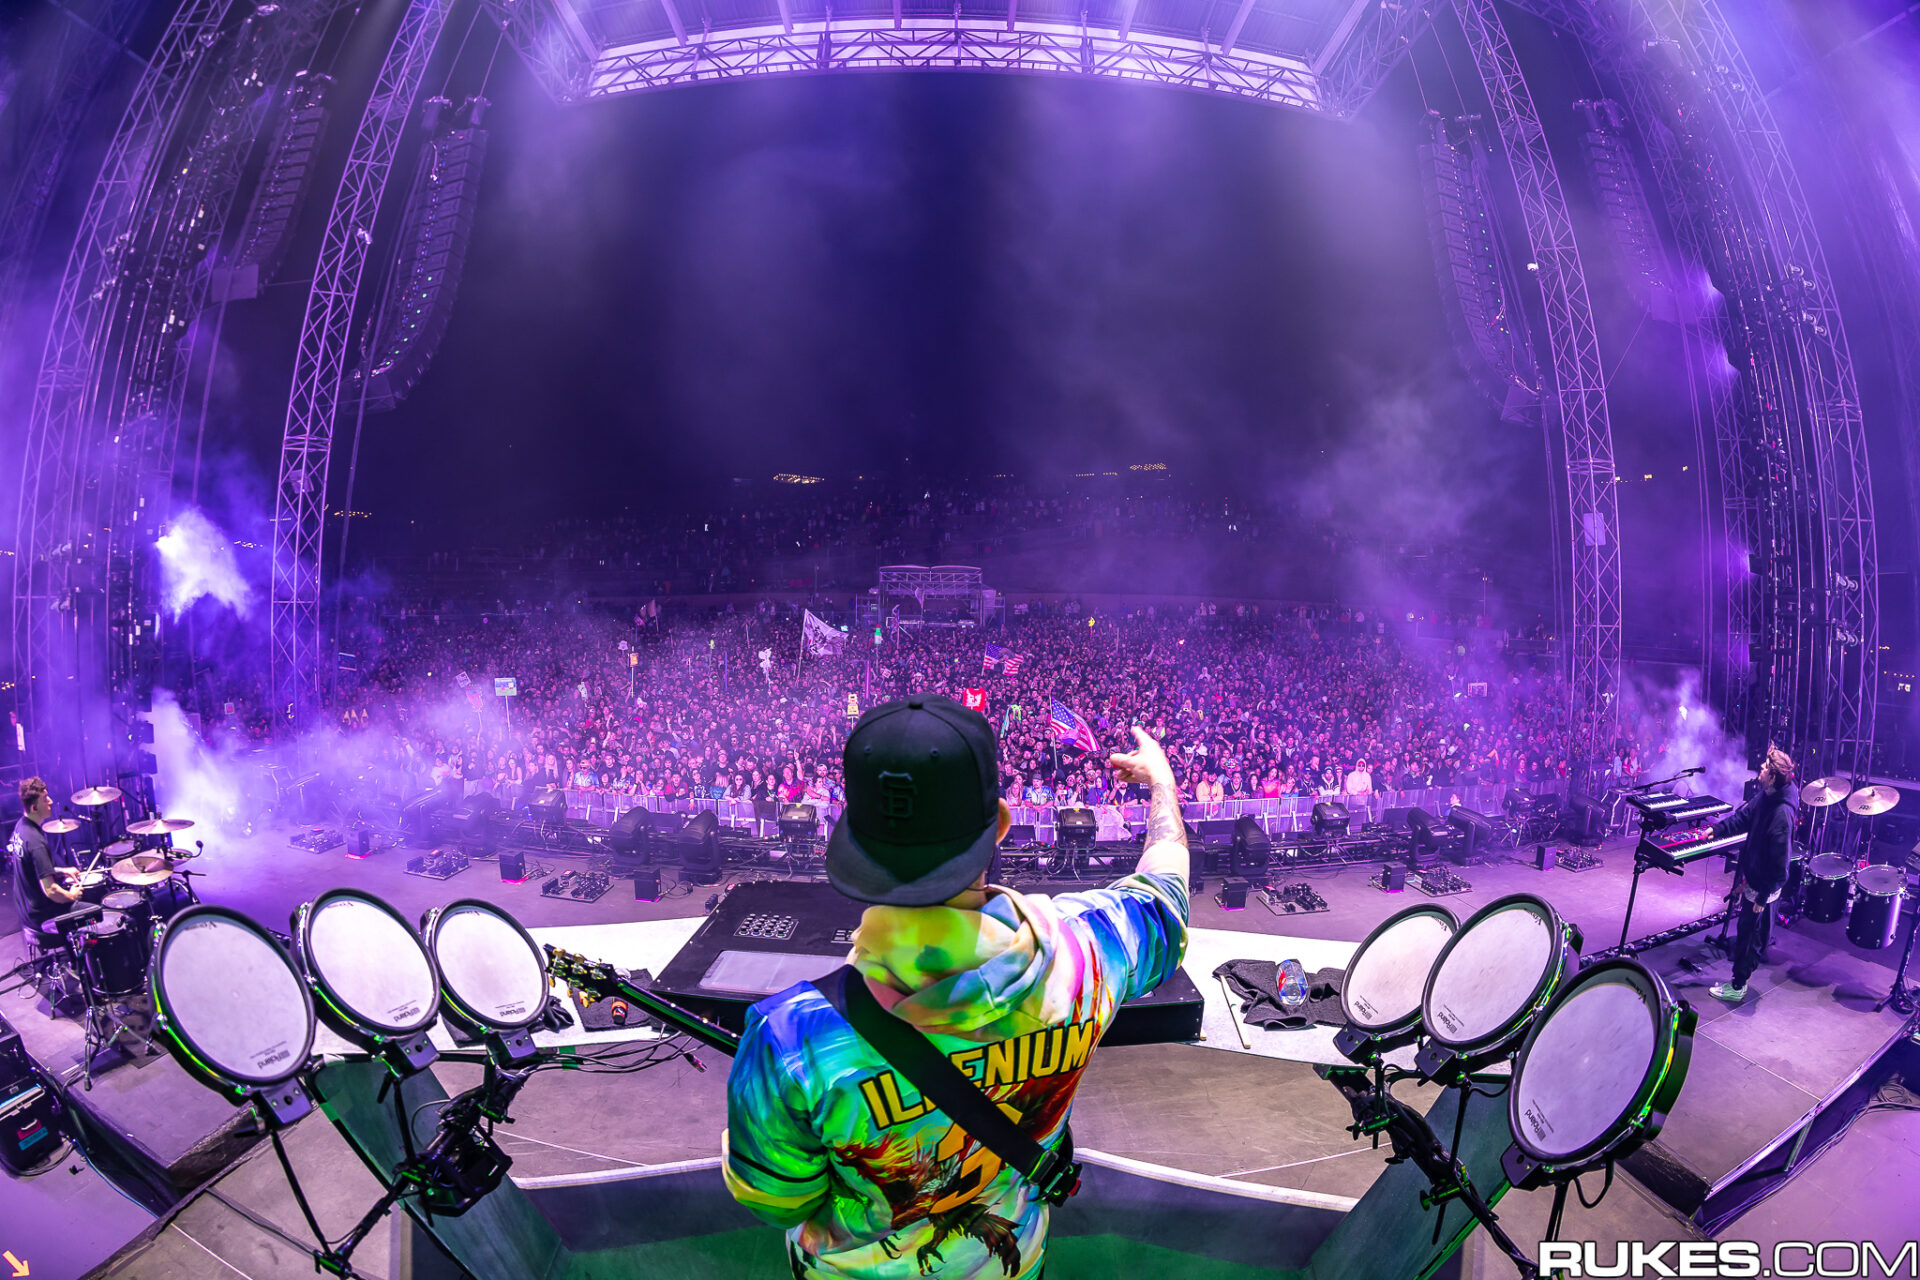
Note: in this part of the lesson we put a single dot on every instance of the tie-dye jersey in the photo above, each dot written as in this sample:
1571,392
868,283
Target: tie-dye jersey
872,1182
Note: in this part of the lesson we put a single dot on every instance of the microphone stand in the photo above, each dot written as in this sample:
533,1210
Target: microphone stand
1684,773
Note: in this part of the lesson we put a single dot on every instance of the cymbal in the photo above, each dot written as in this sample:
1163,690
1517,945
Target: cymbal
90,796
60,826
1868,801
159,826
1822,792
142,869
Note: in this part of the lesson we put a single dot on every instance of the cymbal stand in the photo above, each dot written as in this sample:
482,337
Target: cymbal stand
1899,996
185,878
102,829
180,881
106,1022
1820,835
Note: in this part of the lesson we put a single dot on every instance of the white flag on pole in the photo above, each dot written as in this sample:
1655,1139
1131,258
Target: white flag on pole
822,638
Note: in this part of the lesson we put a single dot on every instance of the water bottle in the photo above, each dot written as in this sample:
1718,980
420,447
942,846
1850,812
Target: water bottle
1293,984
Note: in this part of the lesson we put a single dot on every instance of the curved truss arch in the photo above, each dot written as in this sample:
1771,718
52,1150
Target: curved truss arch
1801,629
306,452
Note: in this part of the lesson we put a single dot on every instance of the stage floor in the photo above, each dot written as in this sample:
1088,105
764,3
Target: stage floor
1232,1114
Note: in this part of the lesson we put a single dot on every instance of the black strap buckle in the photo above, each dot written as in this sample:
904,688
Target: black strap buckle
1055,1178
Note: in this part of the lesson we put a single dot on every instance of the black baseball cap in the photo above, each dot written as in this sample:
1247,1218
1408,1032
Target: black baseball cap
922,815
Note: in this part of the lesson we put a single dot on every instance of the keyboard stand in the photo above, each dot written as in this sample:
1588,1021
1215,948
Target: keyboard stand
1641,865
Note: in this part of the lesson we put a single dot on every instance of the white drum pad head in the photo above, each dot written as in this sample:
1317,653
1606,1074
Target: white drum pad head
487,963
1387,979
1585,1065
233,995
1490,975
371,962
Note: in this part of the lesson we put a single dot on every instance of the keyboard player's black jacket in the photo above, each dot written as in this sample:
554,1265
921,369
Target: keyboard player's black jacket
1768,821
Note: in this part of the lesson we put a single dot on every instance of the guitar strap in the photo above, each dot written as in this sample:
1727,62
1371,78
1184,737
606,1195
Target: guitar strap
1054,1175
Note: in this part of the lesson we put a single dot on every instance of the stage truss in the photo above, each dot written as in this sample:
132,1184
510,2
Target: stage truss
87,48
300,663
953,45
1575,403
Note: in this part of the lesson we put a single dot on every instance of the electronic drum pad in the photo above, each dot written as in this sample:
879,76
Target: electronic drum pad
1598,1073
233,1009
1491,981
493,976
375,981
1380,995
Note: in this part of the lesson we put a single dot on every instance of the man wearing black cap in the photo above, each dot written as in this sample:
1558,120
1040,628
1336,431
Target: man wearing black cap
823,1136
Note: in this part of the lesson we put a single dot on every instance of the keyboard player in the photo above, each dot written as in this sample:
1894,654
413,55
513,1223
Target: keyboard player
1767,819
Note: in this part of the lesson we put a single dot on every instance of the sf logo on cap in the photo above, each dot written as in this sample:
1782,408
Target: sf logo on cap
897,791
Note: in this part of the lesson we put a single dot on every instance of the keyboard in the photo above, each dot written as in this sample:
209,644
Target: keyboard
1660,810
1673,852
1648,802
1701,809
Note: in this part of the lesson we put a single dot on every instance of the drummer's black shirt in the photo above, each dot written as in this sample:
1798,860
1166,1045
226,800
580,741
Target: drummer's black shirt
32,863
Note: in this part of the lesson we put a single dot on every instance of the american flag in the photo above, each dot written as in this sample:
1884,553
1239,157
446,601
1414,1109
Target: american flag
993,654
1011,664
1072,730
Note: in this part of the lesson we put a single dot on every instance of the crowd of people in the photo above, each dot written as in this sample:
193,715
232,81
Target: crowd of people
1252,702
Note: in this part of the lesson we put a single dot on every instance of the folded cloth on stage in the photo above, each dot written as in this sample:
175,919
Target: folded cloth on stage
1257,984
613,1013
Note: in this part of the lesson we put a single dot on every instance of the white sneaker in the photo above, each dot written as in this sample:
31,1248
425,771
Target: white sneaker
1728,992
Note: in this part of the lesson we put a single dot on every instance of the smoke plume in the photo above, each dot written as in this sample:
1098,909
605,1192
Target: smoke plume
197,562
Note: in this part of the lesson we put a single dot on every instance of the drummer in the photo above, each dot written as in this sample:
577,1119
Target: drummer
38,886
1768,820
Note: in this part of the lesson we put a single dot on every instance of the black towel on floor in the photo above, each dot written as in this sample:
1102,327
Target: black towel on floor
599,1016
1257,983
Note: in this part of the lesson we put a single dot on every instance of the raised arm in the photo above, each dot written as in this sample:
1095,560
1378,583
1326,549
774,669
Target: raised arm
1166,850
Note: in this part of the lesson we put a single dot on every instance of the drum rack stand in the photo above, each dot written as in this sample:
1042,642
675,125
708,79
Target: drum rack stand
1377,1111
453,1172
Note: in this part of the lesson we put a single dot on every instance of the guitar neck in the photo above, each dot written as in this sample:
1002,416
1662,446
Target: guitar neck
677,1019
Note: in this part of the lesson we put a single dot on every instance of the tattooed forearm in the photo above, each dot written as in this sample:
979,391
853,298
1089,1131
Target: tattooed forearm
1166,851
1163,816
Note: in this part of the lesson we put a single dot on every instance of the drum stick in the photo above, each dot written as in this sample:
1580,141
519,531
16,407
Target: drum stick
1232,1017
